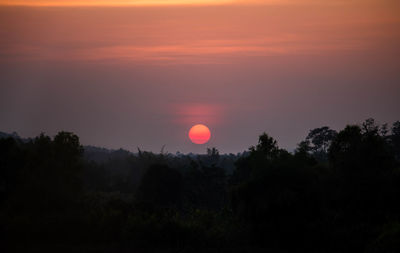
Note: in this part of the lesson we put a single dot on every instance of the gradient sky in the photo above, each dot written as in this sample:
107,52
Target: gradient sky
141,73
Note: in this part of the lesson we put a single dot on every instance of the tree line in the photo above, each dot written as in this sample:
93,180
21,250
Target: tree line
337,192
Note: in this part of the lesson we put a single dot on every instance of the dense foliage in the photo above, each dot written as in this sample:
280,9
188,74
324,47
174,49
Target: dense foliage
337,192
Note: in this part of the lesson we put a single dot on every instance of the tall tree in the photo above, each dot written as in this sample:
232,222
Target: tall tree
319,140
395,139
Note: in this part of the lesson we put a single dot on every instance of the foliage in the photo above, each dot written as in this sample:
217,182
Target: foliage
337,192
319,141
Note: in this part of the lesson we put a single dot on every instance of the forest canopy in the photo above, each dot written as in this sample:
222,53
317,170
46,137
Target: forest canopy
337,192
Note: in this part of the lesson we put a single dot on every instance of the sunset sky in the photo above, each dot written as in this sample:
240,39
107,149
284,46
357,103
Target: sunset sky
130,74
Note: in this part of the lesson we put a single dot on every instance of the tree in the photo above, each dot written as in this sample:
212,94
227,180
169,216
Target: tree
274,193
362,162
161,186
213,152
43,175
319,140
302,154
266,146
345,148
67,146
212,157
395,139
258,158
369,126
12,162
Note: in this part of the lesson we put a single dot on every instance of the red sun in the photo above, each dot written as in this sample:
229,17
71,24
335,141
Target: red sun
199,134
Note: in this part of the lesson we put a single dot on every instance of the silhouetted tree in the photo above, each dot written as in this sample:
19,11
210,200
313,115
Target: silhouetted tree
319,140
161,186
205,187
213,156
258,159
360,151
12,162
395,139
277,197
272,199
266,146
363,164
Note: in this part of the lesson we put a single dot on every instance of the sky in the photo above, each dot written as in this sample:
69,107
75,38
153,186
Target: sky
128,74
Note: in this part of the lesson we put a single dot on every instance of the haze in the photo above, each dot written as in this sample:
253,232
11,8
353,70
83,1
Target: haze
141,73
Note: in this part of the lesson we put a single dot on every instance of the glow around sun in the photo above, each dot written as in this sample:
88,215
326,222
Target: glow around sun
199,134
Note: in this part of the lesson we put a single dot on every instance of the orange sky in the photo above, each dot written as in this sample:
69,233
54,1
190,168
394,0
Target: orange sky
196,35
150,72
186,2
111,2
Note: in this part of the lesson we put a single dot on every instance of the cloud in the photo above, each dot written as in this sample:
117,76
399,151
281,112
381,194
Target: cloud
195,113
190,52
183,36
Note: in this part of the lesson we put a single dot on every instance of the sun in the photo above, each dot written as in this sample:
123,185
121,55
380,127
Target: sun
199,134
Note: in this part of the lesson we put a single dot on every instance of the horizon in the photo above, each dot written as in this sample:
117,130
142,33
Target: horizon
164,150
